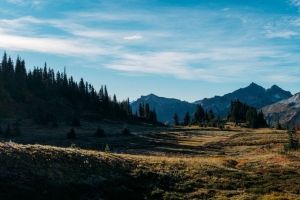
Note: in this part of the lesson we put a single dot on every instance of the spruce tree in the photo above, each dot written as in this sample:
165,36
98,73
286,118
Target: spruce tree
199,115
126,131
17,128
293,142
210,115
99,133
252,118
187,119
7,131
176,119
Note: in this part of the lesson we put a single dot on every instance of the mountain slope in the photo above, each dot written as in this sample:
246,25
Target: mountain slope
253,95
165,107
286,111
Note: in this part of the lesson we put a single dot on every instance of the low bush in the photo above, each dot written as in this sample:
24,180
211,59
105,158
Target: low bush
99,133
126,131
71,134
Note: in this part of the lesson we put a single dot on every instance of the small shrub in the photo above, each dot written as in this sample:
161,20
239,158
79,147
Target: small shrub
126,131
76,122
107,149
99,133
7,132
17,128
71,134
157,193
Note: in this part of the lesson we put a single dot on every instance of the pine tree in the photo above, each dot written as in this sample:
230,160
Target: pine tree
126,131
99,133
176,119
187,119
210,115
293,142
20,73
278,125
17,128
4,66
199,115
261,120
152,116
147,110
252,118
141,110
7,131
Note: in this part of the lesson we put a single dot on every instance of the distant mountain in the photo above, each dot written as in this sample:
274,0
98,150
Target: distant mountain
253,95
165,107
286,111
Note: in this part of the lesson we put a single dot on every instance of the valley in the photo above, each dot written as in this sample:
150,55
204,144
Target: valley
152,162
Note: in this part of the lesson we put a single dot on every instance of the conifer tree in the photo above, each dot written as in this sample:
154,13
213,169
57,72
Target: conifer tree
176,119
199,115
141,110
210,115
293,142
187,118
7,131
147,110
252,118
20,72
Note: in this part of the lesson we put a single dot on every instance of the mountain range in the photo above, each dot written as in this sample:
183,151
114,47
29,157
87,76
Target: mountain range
253,95
285,111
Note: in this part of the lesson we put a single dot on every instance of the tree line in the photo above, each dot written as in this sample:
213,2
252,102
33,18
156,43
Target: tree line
48,85
239,113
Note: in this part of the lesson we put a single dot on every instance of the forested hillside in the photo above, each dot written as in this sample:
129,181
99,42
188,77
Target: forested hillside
47,96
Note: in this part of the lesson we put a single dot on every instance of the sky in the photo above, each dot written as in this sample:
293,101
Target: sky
184,49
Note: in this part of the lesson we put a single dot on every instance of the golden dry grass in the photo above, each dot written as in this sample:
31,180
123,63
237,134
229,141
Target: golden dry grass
153,163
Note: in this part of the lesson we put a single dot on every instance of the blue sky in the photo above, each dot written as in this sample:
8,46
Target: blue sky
178,49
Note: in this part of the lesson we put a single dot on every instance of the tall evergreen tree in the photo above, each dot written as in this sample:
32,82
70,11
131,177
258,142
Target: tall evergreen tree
141,110
210,115
187,118
199,115
252,118
20,73
147,110
176,119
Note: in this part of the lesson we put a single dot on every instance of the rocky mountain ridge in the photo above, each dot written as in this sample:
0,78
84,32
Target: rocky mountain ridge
253,95
285,111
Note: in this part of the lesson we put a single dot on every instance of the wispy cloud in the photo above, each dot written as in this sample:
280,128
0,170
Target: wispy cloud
197,44
134,37
37,4
282,34
295,2
226,9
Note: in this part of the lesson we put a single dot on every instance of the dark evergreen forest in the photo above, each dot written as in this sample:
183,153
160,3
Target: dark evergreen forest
46,96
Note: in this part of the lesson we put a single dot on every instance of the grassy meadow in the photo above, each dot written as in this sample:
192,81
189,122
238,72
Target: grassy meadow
151,163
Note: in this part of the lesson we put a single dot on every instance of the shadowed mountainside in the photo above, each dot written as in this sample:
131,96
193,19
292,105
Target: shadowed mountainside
253,95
